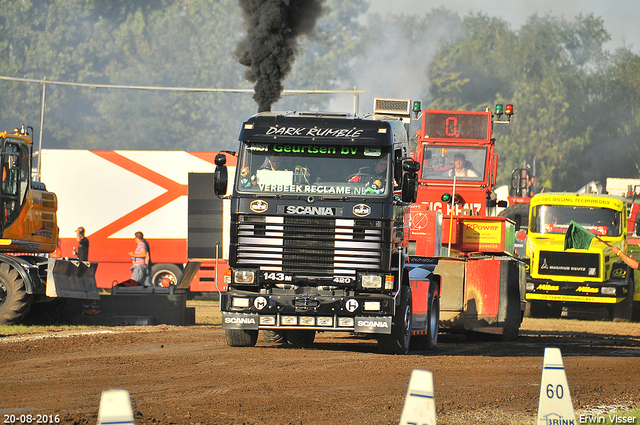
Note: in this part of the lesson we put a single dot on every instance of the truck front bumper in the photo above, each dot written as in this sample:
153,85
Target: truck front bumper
610,292
365,313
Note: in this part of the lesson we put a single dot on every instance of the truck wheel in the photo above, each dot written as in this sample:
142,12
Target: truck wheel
14,300
301,337
430,340
434,321
160,272
399,340
276,336
623,311
241,337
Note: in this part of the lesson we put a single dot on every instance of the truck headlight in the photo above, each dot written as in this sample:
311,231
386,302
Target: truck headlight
371,306
240,302
608,290
371,281
243,277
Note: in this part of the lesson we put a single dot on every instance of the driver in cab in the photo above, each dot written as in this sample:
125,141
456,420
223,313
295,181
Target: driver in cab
460,167
376,173
272,163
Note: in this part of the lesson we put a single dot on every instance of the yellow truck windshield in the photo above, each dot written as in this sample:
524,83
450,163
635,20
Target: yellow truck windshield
555,219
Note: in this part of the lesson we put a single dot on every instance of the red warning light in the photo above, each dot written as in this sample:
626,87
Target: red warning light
508,109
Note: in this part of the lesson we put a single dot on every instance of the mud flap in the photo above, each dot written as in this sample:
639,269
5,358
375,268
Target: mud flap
373,325
245,321
72,279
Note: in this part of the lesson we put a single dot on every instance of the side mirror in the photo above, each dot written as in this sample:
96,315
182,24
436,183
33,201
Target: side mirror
411,166
410,187
410,180
220,177
220,159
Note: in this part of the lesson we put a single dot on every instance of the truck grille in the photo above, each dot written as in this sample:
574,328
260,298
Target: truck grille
569,264
309,245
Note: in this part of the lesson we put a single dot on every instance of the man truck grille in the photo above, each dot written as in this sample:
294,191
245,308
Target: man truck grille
315,246
569,264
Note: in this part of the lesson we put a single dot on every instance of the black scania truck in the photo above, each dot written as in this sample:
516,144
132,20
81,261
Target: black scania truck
318,233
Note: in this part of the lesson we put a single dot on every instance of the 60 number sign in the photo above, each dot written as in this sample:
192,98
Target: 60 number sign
556,391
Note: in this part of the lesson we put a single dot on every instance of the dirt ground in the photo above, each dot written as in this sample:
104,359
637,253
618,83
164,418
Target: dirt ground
188,375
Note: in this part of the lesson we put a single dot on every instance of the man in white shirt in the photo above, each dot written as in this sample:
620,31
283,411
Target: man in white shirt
460,169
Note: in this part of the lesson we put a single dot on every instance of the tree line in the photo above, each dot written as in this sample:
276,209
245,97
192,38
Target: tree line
576,103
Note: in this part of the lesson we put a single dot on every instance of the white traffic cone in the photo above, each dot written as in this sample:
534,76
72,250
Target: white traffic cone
419,403
555,406
115,408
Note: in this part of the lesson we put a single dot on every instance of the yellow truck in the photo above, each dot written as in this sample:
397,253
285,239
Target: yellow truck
592,280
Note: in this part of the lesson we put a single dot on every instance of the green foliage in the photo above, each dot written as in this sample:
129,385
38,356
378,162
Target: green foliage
577,105
322,62
167,43
568,98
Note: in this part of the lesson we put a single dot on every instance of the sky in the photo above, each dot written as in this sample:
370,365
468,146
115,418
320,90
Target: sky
621,17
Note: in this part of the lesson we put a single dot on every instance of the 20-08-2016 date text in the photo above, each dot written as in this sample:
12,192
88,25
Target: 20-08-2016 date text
30,419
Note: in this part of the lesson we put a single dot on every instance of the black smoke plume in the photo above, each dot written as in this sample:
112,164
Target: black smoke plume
270,45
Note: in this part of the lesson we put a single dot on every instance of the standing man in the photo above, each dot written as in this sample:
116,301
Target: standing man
82,251
138,259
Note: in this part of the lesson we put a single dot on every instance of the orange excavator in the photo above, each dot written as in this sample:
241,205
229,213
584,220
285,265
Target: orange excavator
33,286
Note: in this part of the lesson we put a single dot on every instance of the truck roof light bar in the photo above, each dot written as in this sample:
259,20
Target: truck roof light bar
392,106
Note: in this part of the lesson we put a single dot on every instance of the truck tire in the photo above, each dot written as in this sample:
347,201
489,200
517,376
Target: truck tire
430,340
276,336
623,311
241,337
14,300
301,337
165,271
399,340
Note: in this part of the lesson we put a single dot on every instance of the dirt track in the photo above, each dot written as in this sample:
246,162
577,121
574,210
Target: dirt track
188,375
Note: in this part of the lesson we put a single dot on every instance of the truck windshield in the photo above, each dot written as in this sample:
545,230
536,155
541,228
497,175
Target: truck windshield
555,219
303,169
442,162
